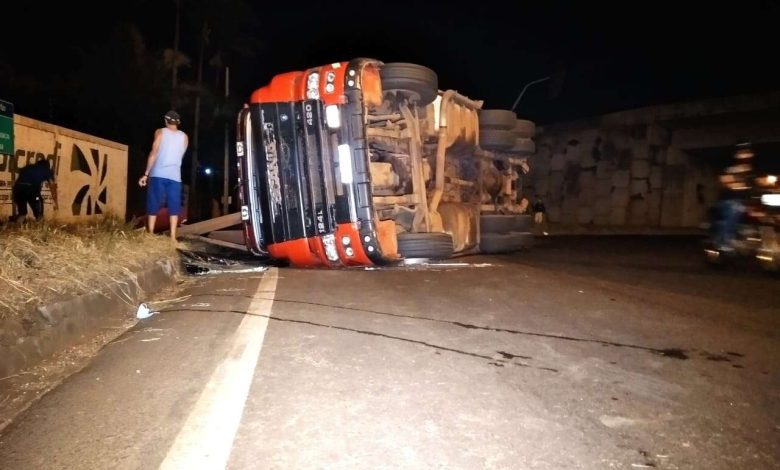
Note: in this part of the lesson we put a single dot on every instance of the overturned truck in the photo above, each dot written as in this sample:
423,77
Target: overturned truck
366,163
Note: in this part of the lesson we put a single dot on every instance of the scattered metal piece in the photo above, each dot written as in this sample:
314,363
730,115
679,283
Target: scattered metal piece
198,263
428,264
257,269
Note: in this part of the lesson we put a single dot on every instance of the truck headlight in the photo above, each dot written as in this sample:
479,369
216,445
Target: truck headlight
313,86
333,116
330,247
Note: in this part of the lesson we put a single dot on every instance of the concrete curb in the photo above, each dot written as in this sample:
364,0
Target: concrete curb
56,326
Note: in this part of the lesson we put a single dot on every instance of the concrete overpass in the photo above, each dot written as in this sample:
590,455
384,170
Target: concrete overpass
650,167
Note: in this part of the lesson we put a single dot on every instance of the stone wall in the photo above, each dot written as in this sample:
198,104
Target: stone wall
627,176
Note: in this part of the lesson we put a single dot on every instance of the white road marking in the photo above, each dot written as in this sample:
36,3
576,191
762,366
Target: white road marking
206,439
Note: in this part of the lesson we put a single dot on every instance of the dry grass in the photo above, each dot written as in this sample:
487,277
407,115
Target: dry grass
45,261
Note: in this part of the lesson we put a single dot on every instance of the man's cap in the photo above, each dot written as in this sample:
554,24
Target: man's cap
172,116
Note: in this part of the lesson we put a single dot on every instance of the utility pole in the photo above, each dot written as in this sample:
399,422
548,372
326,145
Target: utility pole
175,71
194,206
225,167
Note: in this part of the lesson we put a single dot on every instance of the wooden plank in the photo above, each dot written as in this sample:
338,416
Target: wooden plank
210,225
232,236
214,241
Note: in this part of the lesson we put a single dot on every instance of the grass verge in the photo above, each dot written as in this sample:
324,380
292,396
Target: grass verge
47,261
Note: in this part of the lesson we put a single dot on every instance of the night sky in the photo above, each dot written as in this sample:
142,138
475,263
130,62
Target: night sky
615,55
612,55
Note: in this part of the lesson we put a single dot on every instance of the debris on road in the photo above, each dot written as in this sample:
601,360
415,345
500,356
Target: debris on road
201,263
144,312
410,264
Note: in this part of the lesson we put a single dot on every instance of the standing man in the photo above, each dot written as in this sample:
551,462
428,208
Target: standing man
539,210
540,213
163,172
27,189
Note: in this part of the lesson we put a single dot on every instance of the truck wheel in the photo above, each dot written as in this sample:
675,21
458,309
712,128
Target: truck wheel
500,119
425,245
491,223
492,139
523,147
524,128
420,82
491,243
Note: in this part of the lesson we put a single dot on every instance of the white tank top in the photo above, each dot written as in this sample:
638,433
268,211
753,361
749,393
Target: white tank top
169,155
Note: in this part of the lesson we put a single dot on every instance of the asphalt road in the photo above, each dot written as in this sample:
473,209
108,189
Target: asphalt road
584,353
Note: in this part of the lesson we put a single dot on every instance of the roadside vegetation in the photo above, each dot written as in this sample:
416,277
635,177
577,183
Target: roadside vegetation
46,261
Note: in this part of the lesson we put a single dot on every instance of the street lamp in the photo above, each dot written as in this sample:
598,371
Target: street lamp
540,80
557,78
209,174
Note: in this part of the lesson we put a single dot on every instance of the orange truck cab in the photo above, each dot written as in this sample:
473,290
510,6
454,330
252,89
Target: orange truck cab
362,163
304,168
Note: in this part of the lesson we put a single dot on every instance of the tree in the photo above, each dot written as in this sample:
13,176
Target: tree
224,34
118,93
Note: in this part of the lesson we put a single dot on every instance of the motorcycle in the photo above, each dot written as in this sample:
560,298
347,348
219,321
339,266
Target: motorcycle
756,237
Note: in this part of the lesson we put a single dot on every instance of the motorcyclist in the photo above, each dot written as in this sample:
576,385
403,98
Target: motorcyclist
735,188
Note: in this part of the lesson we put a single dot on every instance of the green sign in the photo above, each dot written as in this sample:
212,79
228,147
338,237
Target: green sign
6,128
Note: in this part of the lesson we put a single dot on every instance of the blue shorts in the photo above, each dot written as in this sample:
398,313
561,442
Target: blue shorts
163,192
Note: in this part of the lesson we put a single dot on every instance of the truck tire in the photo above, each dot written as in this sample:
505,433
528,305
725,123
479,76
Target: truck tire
523,147
493,139
524,128
500,119
496,223
420,82
425,245
491,243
